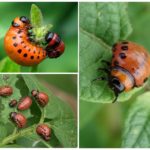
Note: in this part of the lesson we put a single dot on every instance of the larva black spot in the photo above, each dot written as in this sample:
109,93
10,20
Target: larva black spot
124,48
116,63
122,55
145,80
14,37
25,46
38,57
25,55
19,51
15,44
22,42
29,49
19,31
32,57
125,42
20,36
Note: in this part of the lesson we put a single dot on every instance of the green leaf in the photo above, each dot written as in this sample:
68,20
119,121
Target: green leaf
3,131
8,65
12,146
19,90
101,25
32,140
137,124
36,16
40,32
63,121
107,21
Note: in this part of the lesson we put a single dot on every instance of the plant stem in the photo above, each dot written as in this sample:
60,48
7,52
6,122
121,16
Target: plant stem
42,115
46,144
14,136
34,68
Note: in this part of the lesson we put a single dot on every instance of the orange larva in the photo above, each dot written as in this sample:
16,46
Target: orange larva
18,45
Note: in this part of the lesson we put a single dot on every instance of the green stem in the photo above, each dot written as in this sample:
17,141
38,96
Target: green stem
34,68
42,115
46,144
12,137
15,131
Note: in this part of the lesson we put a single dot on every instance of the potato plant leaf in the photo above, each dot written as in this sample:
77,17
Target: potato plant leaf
137,125
36,16
19,90
63,122
101,25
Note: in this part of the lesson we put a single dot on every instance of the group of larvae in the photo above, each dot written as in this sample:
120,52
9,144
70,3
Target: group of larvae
25,103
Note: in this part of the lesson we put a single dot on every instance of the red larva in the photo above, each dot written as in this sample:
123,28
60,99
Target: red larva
44,131
41,97
18,45
55,46
13,103
6,90
24,103
19,119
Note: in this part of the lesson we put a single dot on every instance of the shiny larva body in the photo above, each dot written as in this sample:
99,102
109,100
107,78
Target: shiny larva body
19,119
24,103
6,90
133,58
41,97
18,45
55,46
44,131
128,68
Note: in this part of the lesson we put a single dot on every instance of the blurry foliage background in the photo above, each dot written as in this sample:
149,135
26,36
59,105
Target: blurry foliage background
101,125
63,17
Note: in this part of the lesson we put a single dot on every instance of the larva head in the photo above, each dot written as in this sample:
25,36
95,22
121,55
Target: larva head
20,22
121,80
55,46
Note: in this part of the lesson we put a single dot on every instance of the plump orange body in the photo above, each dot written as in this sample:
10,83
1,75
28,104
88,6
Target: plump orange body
18,46
134,63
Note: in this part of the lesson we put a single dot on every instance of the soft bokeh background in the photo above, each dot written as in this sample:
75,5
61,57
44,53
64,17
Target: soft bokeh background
63,86
63,17
101,125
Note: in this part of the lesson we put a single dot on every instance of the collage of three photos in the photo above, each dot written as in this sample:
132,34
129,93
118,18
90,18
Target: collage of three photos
48,48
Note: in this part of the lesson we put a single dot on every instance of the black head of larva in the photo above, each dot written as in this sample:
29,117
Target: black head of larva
12,115
49,36
24,19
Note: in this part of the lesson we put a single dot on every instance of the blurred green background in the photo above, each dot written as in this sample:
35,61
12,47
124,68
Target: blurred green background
102,125
63,17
